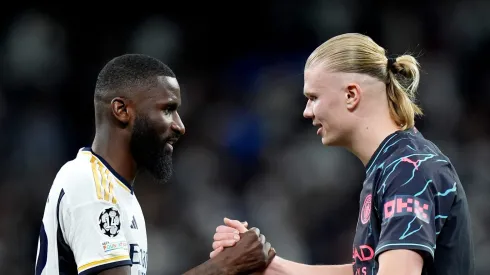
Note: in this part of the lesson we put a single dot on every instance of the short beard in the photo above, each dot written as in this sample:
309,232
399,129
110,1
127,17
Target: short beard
150,152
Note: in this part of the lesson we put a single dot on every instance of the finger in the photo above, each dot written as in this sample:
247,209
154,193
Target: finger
256,230
272,254
235,224
215,252
224,243
245,223
262,239
226,229
266,250
226,236
267,247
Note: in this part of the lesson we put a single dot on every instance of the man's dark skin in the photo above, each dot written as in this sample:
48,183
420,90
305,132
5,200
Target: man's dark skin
148,116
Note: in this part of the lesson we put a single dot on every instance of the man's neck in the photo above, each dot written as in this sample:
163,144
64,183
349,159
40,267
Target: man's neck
365,142
114,149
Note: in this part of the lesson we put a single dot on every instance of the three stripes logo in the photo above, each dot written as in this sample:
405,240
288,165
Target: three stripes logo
133,224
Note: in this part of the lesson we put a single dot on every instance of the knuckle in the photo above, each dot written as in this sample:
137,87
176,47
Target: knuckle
262,239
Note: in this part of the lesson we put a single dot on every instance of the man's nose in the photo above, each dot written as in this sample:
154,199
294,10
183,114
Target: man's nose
308,111
178,125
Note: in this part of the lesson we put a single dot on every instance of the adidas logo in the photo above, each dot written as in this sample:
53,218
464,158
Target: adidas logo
133,224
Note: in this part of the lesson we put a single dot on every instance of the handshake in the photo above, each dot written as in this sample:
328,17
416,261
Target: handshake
239,250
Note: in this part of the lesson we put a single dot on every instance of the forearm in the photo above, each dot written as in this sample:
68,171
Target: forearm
281,266
207,268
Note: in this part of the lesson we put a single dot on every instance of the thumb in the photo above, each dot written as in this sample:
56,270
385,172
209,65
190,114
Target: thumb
235,224
272,255
215,252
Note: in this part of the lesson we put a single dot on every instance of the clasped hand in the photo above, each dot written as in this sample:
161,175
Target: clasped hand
231,235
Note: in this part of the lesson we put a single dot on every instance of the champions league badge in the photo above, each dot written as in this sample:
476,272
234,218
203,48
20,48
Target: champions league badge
110,222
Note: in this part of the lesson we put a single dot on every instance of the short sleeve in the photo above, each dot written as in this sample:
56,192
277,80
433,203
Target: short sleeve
95,234
410,200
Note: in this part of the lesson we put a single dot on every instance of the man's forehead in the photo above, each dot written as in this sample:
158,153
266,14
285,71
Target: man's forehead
170,83
313,76
313,80
306,89
166,89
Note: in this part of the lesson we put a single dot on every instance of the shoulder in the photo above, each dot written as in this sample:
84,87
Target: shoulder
403,148
81,180
415,155
416,165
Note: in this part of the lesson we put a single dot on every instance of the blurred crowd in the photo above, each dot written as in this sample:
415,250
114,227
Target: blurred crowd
248,153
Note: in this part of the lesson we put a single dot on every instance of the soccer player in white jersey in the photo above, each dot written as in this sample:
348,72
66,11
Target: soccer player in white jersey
93,223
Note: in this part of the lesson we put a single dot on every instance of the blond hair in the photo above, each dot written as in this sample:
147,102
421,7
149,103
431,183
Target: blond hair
357,53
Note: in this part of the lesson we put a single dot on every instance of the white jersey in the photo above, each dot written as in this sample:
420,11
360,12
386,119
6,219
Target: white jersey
92,221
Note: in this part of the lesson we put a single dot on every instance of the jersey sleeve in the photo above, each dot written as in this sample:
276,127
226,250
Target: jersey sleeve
413,199
95,234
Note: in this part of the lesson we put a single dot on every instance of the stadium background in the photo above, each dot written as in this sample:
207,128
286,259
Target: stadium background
248,153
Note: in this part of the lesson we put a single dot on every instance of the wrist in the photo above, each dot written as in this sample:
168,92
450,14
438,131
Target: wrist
223,265
274,266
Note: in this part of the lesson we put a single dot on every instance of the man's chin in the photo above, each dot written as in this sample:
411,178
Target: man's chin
159,177
162,177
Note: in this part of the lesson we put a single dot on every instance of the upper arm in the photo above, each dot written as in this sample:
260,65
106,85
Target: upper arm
400,262
94,230
413,200
121,270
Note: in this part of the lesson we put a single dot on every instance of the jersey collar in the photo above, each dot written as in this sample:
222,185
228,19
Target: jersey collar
108,166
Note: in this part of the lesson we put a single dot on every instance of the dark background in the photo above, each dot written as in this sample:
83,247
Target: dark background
248,153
